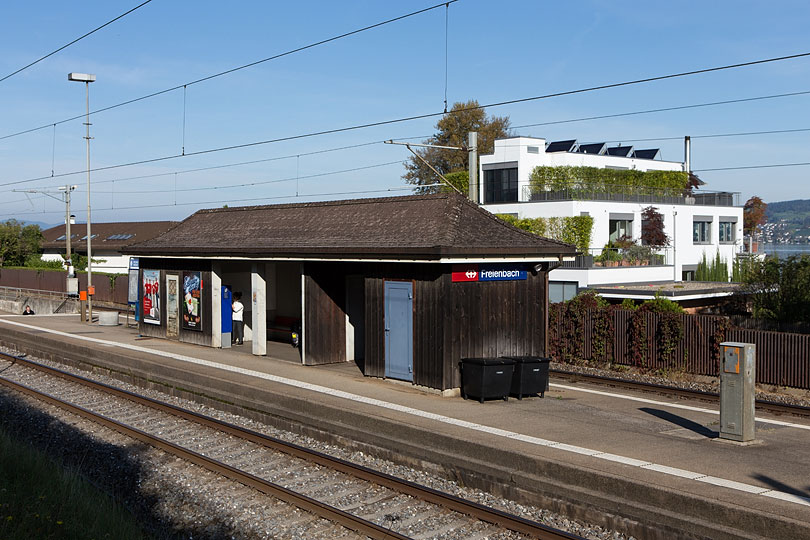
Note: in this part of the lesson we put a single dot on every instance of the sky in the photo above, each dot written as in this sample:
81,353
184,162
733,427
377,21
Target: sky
484,50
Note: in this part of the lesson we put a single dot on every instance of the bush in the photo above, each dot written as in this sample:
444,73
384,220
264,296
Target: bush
36,261
714,270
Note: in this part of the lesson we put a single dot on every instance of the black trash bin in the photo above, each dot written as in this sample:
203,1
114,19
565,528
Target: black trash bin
486,378
530,376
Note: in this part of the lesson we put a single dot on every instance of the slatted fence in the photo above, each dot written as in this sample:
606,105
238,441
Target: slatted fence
783,359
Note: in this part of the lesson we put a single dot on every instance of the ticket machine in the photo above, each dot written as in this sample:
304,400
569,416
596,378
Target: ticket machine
227,316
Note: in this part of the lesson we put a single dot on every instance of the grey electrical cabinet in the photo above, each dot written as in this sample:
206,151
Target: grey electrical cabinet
737,391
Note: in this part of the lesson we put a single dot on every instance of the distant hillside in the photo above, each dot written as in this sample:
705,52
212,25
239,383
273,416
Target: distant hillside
795,212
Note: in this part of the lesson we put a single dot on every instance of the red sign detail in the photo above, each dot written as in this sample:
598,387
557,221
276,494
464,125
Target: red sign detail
465,272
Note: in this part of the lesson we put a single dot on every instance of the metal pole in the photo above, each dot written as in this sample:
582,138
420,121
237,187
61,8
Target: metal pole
687,154
472,144
89,236
67,223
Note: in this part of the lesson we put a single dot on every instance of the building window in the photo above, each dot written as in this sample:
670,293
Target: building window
561,291
619,228
533,149
702,232
500,185
726,234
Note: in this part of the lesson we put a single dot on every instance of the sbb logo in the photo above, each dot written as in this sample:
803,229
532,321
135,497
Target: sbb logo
465,272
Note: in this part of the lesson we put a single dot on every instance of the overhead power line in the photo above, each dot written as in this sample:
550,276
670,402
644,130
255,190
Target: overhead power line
663,109
235,69
380,141
802,164
251,199
256,182
63,47
416,117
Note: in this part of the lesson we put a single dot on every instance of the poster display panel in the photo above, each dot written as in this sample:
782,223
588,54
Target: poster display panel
192,300
151,296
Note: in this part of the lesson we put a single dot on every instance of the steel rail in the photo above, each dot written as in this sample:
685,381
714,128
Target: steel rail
713,397
450,502
335,515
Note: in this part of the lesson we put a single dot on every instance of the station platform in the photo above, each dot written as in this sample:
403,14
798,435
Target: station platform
647,465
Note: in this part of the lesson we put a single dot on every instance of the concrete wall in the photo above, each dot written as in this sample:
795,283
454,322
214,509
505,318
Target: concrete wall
41,306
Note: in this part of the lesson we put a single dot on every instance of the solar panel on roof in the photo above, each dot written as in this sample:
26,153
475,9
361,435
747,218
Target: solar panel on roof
120,237
650,153
593,148
622,151
561,146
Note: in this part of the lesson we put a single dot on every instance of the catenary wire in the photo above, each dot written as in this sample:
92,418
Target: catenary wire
220,201
257,182
426,115
63,47
175,156
370,143
664,109
235,69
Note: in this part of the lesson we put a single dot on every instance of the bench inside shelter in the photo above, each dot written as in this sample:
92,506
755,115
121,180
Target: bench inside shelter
281,328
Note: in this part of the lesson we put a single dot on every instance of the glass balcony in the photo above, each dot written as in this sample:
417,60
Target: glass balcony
633,256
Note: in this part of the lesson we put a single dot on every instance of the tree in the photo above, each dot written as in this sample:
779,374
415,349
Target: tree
753,214
18,242
451,130
652,228
780,288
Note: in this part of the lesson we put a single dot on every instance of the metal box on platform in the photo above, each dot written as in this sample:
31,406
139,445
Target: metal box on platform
737,391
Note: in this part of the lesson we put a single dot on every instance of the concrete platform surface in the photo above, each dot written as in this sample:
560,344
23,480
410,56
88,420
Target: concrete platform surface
635,457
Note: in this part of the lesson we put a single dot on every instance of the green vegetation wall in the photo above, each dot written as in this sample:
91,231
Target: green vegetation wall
574,230
620,181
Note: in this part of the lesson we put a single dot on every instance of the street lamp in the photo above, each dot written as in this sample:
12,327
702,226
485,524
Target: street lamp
86,78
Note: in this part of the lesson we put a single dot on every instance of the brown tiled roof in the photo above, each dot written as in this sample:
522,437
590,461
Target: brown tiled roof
422,227
140,231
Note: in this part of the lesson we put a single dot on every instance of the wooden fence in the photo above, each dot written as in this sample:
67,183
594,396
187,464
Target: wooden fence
109,287
783,359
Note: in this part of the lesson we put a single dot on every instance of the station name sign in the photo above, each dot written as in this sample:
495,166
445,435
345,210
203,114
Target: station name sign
488,272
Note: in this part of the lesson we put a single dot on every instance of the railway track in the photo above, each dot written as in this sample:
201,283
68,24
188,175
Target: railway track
370,503
763,405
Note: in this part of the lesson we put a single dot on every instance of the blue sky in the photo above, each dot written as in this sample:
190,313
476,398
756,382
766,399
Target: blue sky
496,51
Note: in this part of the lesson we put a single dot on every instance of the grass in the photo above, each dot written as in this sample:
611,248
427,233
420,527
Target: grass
39,499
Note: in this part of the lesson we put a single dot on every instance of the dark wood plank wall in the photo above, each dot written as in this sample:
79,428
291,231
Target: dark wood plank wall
324,313
176,267
375,327
495,318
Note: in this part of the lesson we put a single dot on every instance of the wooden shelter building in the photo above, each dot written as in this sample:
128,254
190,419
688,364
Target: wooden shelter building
404,286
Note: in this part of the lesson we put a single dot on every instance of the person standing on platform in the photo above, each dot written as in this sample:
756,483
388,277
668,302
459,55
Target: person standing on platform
28,311
238,321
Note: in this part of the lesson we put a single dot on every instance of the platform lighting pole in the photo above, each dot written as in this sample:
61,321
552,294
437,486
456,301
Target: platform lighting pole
87,78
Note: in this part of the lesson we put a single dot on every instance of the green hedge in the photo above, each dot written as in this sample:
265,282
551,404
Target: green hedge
574,230
619,181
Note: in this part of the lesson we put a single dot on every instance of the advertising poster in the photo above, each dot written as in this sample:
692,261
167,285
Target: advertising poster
192,300
151,296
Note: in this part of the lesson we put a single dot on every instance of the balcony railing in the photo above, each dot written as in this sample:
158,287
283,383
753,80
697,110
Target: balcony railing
637,194
635,256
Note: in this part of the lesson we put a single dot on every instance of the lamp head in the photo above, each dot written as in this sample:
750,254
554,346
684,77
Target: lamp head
81,77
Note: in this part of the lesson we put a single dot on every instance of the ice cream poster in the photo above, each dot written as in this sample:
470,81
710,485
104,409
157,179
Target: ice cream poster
151,296
192,300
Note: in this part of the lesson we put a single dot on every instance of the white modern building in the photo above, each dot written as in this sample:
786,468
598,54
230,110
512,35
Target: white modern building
699,223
